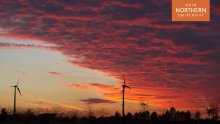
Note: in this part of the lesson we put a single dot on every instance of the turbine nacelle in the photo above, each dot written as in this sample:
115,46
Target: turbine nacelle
17,88
125,86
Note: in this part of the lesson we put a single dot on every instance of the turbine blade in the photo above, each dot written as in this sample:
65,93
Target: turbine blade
128,87
124,78
19,91
18,81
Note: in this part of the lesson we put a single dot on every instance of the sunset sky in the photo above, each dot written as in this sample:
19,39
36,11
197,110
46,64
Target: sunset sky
68,53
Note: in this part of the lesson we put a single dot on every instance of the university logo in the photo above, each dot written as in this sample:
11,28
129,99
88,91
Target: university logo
190,10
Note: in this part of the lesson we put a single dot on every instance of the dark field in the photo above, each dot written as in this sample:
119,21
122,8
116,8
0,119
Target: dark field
169,117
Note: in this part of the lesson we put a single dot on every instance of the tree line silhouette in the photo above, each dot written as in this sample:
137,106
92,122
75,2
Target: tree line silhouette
143,117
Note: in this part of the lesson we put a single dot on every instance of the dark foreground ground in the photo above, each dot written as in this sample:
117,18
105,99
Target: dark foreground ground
106,120
171,116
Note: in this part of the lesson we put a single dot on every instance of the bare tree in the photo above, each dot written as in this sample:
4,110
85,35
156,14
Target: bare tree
102,112
144,106
90,109
213,109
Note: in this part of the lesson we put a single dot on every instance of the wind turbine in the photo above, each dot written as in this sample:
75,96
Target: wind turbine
124,86
15,89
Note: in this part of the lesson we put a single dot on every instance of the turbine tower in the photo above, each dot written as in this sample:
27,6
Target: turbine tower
15,89
124,86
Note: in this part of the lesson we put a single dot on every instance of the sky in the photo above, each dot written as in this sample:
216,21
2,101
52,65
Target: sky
69,53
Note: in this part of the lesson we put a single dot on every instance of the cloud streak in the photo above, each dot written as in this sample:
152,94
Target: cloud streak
96,101
53,102
56,74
